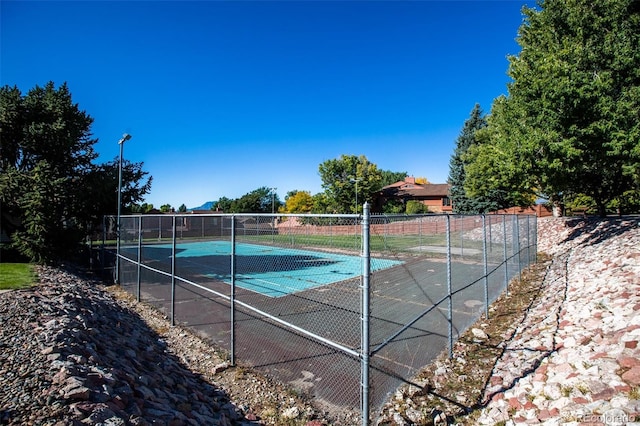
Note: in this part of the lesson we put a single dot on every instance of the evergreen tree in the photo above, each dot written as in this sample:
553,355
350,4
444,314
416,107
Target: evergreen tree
461,203
51,192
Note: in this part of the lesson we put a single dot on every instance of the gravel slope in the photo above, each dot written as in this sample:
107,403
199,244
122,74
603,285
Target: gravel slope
569,353
75,352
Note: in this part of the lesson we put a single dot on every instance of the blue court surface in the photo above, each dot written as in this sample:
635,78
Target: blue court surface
276,271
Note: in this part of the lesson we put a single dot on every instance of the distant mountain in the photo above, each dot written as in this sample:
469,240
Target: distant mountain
205,206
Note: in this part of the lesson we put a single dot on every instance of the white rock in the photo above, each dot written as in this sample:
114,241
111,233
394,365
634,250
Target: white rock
291,413
479,334
560,403
399,420
440,371
619,401
414,415
553,391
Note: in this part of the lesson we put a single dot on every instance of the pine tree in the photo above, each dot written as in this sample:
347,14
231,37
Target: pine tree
51,192
461,203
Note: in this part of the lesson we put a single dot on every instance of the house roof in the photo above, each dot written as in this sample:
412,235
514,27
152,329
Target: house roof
414,190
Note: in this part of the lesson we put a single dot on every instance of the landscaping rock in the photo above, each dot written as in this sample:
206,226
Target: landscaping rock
73,354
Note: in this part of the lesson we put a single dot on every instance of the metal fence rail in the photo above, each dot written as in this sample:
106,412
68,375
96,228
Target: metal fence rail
344,308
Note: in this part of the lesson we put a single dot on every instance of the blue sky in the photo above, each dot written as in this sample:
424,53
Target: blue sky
222,98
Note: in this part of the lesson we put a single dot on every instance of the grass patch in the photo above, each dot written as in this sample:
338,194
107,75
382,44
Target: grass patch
386,245
16,275
377,243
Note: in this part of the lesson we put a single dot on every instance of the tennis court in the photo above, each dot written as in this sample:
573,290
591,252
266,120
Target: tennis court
279,271
297,312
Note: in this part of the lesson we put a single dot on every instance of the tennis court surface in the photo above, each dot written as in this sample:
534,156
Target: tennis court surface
321,293
268,270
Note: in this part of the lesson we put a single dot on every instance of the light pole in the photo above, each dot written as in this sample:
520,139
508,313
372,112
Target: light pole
273,211
356,180
125,137
273,200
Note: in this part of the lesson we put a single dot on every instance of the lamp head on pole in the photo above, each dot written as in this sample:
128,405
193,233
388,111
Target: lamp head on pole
124,138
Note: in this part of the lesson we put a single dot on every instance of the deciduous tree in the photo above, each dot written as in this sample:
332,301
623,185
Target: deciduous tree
143,208
340,177
496,171
416,207
569,124
388,177
261,200
297,202
224,204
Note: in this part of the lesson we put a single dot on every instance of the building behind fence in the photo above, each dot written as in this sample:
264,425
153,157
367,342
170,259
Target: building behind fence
344,308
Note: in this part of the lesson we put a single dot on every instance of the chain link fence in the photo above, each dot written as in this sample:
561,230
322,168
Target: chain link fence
344,308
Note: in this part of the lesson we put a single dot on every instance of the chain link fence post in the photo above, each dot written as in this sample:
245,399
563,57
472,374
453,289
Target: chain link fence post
449,295
534,238
517,248
139,265
504,250
486,266
173,272
117,265
104,241
232,294
528,242
366,265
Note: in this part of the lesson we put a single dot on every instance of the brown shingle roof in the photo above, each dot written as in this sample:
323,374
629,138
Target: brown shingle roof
402,188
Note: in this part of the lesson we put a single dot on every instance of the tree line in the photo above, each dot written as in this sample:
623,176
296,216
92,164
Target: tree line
347,182
340,193
54,195
568,131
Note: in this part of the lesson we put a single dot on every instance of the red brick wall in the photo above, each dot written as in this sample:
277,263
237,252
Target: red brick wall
539,210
